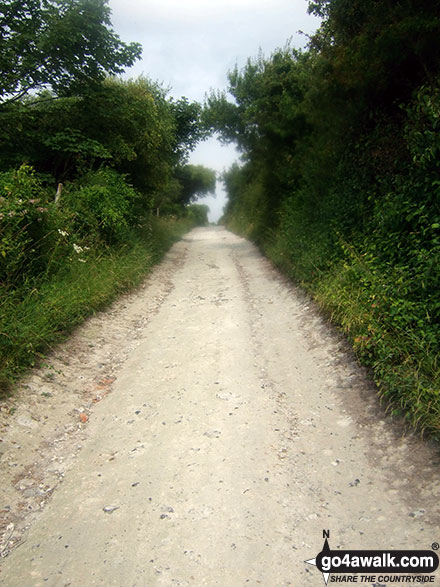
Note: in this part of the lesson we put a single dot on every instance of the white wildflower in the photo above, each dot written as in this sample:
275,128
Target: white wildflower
77,248
63,232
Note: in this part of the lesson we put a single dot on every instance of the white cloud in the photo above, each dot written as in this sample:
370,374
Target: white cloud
195,12
187,45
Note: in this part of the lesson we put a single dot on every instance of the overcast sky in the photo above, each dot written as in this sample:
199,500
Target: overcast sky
190,45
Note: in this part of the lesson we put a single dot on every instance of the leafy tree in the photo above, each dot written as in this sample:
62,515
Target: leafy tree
195,181
378,51
222,116
130,125
267,116
198,213
188,128
65,45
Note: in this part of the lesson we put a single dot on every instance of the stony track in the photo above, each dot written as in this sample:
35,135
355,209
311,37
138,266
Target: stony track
204,432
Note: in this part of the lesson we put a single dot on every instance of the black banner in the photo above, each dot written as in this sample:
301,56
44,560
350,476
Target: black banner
376,561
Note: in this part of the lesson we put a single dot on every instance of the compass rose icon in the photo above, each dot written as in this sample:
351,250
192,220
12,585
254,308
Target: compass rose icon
312,561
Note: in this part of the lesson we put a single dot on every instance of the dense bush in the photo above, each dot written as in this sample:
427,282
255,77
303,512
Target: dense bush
38,236
101,206
198,214
28,226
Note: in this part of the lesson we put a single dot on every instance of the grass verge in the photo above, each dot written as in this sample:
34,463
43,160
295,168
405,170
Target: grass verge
390,332
39,314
